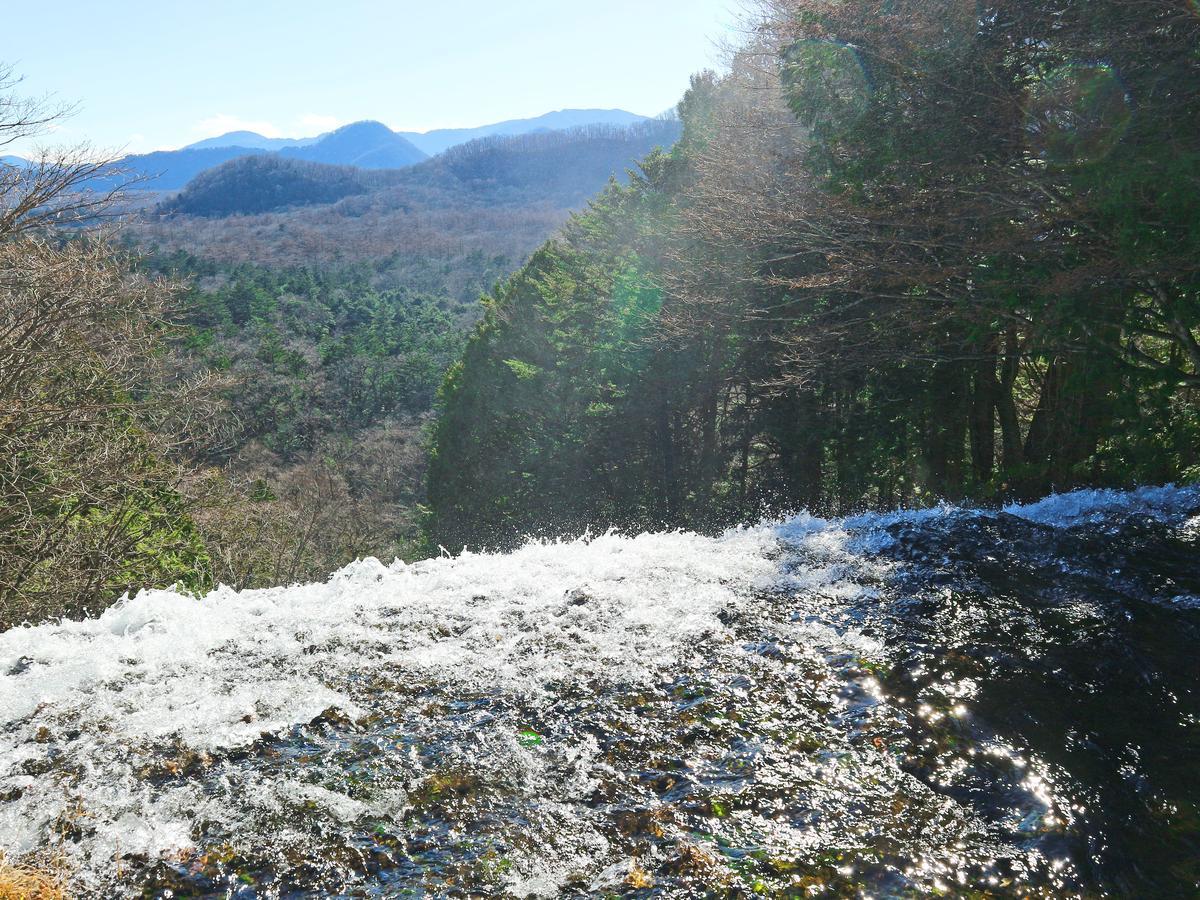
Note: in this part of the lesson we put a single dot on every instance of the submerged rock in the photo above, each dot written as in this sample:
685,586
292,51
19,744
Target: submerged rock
941,701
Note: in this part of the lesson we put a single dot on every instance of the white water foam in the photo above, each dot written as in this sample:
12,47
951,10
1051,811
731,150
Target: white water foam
164,673
162,670
1164,504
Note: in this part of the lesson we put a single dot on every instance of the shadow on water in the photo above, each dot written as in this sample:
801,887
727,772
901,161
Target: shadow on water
1079,647
939,703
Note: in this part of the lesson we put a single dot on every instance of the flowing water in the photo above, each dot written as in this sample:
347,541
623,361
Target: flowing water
945,702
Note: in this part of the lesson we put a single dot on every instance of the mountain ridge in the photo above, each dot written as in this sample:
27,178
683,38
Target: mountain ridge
439,139
442,139
251,140
367,144
562,167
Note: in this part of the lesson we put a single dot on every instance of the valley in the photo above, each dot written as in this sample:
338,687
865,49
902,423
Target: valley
326,303
795,494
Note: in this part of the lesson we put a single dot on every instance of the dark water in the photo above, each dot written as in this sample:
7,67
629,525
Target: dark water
948,703
1085,646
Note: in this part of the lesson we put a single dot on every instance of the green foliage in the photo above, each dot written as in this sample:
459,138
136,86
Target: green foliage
164,547
110,536
316,352
90,501
526,433
830,86
969,272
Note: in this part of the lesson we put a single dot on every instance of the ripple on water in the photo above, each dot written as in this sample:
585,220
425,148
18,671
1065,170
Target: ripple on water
853,708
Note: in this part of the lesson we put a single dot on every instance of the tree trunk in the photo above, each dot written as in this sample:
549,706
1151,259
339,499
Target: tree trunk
945,430
1006,405
666,447
983,415
1046,426
1072,414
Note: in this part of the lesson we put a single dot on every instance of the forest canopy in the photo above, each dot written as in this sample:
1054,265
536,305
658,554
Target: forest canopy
903,252
168,420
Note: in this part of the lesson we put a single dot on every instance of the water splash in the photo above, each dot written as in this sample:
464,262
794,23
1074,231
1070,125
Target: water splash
1163,504
809,706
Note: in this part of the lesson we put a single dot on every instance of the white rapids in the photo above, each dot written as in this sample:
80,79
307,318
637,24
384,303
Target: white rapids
170,684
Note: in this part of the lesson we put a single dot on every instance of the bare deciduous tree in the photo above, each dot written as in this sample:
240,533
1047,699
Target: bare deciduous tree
88,506
58,187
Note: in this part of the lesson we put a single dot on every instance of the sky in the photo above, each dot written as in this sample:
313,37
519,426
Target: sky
159,74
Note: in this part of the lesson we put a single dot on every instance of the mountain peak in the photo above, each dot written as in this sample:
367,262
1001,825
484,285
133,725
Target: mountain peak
367,144
365,126
250,140
435,142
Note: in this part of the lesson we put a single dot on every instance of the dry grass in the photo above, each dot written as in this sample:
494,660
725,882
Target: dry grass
21,882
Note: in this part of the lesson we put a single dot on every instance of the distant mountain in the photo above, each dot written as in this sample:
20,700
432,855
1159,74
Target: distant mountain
260,184
435,142
167,170
565,168
367,145
13,161
448,227
560,168
251,140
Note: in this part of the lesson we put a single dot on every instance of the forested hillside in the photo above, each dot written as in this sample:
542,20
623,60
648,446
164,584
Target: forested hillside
451,226
364,145
323,386
251,185
253,412
253,427
324,365
902,253
562,168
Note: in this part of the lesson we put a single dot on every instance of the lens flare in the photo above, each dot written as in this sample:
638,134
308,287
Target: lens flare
943,24
1078,114
827,82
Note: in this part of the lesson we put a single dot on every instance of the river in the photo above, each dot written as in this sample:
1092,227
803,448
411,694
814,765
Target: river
952,702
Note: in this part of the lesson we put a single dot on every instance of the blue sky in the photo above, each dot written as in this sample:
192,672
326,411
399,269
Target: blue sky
151,74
